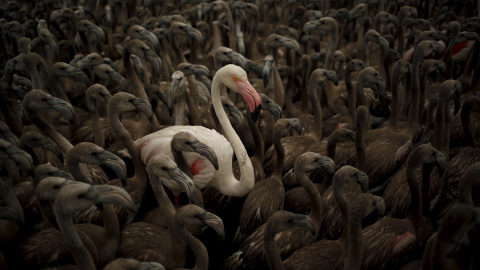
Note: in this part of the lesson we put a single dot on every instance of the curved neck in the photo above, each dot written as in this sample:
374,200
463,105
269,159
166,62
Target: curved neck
73,166
465,190
50,131
360,96
80,254
271,250
316,213
111,230
140,179
232,187
192,101
137,86
201,254
178,53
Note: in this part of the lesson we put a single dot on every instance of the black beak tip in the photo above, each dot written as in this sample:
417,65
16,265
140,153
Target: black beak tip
124,181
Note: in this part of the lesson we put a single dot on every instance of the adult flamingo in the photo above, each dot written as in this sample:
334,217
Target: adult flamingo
204,174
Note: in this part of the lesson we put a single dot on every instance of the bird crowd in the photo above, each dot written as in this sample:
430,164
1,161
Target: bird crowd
308,134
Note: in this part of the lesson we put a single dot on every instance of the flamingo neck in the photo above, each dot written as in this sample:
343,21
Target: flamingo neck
50,131
350,93
280,151
332,45
316,131
279,93
139,180
467,126
230,186
201,253
355,243
273,255
393,119
111,230
316,213
80,254
416,203
73,166
343,206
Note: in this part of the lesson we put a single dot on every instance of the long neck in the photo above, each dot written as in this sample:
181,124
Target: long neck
139,180
180,107
201,254
111,230
406,98
271,250
360,96
393,119
355,244
234,187
400,34
416,203
316,131
279,93
192,101
415,100
137,86
280,151
316,213
50,131
99,135
331,47
439,131
422,84
258,141
178,53
80,254
167,213
58,88
350,93
73,166
343,206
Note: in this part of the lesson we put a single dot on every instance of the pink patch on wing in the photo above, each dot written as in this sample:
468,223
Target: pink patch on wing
402,241
145,143
196,167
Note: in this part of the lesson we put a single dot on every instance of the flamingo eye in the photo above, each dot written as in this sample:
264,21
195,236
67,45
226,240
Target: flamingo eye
235,78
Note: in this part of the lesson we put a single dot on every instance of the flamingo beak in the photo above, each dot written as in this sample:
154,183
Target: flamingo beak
251,96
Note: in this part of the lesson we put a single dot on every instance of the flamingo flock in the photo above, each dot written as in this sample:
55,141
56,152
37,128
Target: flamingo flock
239,134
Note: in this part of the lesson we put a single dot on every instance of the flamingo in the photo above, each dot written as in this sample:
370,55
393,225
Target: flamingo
204,173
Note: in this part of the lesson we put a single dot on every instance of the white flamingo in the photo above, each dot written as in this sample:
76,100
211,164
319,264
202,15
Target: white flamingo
204,174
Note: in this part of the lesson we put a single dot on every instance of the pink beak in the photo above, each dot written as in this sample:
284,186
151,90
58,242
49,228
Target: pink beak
251,97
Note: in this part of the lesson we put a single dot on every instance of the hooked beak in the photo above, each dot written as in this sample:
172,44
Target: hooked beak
295,123
144,107
266,72
206,151
21,157
183,181
63,107
111,194
328,164
52,147
306,222
154,61
291,44
214,222
8,213
363,181
115,164
251,97
332,76
238,60
78,74
276,111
